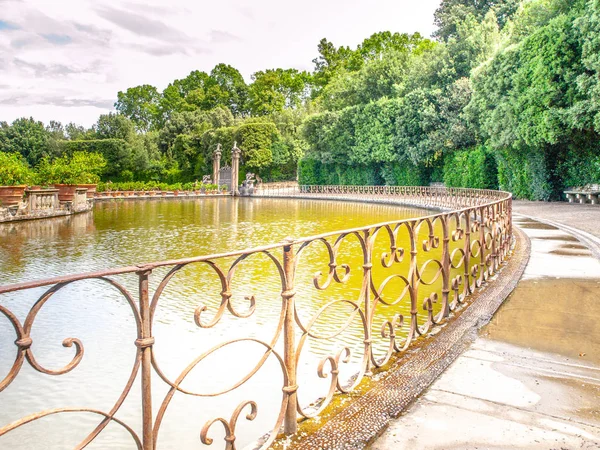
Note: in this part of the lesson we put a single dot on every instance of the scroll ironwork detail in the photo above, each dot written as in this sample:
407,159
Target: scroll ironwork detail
413,275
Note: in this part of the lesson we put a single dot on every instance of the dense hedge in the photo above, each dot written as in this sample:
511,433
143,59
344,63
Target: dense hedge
525,175
528,175
311,171
579,167
405,174
473,168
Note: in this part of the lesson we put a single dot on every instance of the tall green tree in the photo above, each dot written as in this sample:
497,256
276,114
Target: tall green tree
141,105
230,89
276,89
330,59
27,137
114,126
76,132
451,13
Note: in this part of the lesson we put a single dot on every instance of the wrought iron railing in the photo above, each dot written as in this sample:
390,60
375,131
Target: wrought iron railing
430,267
441,197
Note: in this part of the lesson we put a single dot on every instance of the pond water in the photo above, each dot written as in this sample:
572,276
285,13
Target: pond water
128,232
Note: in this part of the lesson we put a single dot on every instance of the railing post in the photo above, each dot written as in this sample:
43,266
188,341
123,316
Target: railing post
494,230
290,425
482,263
510,218
445,266
144,343
414,280
467,256
367,274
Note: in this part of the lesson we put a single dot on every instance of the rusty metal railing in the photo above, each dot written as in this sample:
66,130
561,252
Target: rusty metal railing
452,253
427,196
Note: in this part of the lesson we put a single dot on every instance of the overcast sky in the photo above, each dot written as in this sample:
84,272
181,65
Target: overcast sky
67,59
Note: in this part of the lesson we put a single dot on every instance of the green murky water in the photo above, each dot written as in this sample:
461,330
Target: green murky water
123,233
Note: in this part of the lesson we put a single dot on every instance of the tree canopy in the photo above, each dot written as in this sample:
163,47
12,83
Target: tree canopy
506,94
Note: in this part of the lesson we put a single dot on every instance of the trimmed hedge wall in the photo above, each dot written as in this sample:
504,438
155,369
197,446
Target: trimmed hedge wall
472,168
311,171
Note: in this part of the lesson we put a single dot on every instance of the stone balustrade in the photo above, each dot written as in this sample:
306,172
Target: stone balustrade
42,203
41,200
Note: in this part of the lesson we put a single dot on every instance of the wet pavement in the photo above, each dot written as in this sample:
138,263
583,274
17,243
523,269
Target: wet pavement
582,217
531,380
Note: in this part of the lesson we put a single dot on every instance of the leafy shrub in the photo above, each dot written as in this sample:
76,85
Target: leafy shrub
116,152
14,170
80,168
126,175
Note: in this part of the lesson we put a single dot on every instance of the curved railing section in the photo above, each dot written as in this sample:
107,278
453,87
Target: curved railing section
426,196
428,268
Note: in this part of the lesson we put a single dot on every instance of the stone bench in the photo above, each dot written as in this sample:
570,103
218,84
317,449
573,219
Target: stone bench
588,193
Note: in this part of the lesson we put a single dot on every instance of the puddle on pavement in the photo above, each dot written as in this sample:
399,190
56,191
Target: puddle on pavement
574,246
582,395
565,237
552,315
572,250
536,226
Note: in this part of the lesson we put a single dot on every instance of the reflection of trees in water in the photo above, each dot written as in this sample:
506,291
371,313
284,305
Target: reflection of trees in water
15,235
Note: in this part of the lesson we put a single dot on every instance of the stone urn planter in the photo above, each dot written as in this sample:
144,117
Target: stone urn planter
11,195
91,189
66,192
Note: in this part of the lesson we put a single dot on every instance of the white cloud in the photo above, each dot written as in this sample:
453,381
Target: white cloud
67,59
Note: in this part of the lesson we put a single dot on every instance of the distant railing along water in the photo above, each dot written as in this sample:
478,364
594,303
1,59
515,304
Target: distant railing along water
452,253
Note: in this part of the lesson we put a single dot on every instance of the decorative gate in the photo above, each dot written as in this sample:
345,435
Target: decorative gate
225,177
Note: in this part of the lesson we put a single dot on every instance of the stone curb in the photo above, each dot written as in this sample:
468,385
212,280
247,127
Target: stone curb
367,416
